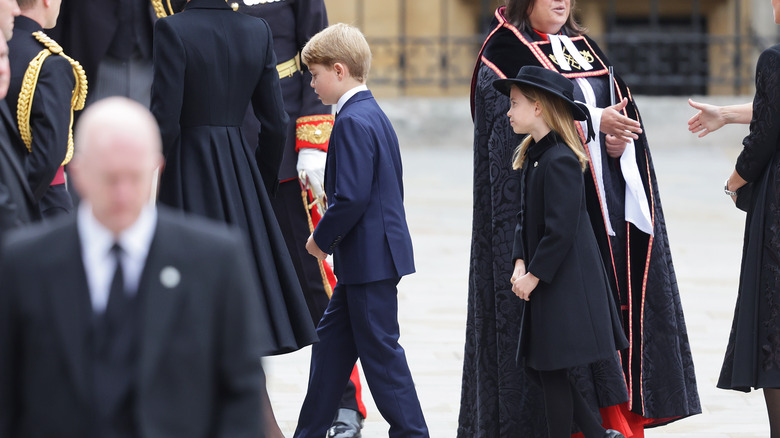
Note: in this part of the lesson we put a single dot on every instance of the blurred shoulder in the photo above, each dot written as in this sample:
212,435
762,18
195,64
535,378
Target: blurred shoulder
38,237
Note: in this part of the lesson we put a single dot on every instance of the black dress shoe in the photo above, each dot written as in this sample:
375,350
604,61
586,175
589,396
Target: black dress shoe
347,424
611,433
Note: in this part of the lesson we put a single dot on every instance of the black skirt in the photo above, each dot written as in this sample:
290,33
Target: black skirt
753,353
215,174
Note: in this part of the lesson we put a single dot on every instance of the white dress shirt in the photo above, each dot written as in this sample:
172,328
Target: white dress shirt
100,264
346,96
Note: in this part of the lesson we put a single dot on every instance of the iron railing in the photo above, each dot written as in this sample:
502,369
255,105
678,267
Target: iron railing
650,63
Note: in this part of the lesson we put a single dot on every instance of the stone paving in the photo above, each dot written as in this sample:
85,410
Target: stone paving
705,231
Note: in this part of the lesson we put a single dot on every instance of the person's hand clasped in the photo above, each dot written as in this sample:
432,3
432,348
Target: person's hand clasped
524,285
614,146
614,123
709,118
519,270
314,249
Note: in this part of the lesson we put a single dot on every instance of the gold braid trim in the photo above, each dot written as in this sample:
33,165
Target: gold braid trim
160,10
30,81
314,134
319,118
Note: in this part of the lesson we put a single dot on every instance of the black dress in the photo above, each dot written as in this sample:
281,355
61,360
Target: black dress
209,61
753,352
572,318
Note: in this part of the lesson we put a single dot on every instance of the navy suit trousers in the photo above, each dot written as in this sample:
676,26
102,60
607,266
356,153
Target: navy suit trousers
361,321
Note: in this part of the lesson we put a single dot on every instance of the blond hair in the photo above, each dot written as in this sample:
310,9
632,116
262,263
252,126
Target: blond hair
339,43
556,113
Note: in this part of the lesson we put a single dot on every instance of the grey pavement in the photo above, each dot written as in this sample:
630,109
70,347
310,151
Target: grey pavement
705,231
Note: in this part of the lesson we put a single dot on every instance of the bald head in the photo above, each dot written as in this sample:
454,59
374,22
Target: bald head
117,149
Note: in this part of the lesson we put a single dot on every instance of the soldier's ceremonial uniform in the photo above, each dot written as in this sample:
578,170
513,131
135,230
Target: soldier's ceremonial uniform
293,23
41,98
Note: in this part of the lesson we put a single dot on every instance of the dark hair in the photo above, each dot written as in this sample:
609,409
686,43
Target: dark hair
517,14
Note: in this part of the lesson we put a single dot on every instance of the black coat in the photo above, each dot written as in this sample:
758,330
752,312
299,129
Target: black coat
572,319
51,108
86,28
199,367
17,205
293,23
753,353
209,62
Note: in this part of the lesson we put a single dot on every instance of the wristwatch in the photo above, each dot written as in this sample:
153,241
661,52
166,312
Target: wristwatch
727,191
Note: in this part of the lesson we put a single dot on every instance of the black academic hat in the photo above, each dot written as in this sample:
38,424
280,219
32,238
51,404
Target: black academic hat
549,81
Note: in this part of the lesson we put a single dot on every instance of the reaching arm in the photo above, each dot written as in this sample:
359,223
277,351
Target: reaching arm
710,118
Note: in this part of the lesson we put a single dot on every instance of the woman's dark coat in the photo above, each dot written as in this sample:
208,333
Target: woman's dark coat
572,319
209,62
753,353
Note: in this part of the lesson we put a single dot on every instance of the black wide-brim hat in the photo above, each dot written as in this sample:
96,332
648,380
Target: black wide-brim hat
547,80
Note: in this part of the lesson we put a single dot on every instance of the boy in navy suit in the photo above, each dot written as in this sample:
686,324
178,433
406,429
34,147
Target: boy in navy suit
365,230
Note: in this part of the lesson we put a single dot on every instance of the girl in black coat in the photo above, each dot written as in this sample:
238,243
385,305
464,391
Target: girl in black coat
571,319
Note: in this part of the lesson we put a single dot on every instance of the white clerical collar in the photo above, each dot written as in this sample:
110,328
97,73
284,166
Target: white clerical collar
135,240
346,96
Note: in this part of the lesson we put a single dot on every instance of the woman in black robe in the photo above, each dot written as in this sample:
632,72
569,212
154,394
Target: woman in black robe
209,62
496,400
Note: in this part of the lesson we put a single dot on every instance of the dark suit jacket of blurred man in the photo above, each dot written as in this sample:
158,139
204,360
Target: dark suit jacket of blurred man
202,334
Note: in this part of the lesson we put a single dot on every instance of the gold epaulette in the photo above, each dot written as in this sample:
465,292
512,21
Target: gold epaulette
30,81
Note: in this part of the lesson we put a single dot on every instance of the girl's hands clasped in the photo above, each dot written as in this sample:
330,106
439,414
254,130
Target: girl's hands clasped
523,283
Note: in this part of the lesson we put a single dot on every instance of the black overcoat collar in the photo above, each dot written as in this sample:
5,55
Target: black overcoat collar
207,4
26,25
537,149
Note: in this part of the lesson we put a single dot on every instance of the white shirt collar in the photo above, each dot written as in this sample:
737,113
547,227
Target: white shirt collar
346,96
100,264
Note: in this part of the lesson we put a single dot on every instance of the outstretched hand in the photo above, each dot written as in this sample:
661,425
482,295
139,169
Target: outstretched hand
709,118
614,123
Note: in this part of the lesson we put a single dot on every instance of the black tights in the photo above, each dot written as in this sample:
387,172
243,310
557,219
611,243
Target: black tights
563,402
772,397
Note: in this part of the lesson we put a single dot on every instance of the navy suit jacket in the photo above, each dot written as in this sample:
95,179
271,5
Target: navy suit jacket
365,224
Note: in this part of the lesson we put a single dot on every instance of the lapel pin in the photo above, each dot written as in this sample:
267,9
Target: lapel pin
170,277
536,163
